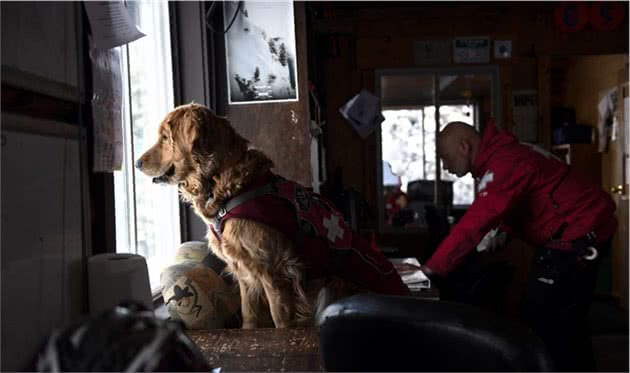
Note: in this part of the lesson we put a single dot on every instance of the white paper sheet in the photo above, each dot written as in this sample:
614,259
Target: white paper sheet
363,111
410,273
111,24
606,110
525,115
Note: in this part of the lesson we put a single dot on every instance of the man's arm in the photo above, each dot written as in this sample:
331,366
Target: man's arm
507,185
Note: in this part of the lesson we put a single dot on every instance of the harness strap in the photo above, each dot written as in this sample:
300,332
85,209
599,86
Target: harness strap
269,188
213,263
217,221
218,266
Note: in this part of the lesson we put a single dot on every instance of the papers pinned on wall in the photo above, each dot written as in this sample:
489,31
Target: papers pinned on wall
363,111
524,115
606,118
107,110
471,50
111,24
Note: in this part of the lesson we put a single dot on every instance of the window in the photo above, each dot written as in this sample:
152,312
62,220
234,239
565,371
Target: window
408,143
414,189
147,215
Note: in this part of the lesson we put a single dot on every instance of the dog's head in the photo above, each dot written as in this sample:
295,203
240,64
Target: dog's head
193,145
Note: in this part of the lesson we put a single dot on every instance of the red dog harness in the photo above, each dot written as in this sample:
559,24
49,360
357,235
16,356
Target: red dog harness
323,239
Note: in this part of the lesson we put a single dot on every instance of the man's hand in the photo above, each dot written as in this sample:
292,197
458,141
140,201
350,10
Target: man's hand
427,271
435,278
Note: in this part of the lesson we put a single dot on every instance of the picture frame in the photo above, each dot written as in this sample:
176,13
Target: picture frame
261,56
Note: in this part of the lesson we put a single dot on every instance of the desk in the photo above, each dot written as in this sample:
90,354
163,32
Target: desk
431,294
260,350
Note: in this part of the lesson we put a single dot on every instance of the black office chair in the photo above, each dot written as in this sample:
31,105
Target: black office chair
370,332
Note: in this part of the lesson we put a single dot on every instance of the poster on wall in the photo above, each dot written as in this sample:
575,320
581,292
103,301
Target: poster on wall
471,50
260,52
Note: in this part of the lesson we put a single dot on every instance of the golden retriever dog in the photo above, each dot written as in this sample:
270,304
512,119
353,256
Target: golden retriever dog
210,163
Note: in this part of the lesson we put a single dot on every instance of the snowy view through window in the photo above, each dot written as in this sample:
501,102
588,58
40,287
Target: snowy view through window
408,145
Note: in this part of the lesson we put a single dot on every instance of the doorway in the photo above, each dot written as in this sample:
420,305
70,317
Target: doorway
588,81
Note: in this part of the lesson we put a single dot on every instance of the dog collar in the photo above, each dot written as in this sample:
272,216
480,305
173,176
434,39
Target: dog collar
209,199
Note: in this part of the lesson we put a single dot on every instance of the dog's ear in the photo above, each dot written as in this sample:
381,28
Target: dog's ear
192,125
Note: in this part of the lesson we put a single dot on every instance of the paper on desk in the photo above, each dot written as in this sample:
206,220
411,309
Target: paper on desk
410,273
111,24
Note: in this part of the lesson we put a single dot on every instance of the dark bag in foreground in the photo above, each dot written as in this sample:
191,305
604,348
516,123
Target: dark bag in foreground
126,338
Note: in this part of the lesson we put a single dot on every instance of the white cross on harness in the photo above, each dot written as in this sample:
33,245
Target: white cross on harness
334,229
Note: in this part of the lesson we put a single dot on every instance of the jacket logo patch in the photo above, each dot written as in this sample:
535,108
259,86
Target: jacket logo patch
302,199
335,230
487,178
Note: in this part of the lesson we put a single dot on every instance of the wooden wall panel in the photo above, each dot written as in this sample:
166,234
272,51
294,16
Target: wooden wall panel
392,52
39,47
344,150
270,126
42,239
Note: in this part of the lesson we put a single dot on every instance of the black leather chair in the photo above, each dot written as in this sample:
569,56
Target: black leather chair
370,332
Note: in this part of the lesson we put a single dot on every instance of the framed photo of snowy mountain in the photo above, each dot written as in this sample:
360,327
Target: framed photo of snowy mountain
260,52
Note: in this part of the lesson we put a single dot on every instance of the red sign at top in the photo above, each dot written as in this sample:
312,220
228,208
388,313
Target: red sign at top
571,17
607,15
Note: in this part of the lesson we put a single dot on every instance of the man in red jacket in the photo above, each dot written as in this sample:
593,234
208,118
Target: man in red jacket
546,203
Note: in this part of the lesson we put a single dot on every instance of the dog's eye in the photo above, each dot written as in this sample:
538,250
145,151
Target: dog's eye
164,138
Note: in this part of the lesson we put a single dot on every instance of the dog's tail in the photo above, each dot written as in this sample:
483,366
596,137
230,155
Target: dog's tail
334,289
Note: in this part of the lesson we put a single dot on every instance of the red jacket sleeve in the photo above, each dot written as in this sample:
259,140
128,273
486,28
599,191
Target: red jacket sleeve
501,192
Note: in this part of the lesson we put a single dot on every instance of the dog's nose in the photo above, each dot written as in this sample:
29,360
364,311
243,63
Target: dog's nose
139,164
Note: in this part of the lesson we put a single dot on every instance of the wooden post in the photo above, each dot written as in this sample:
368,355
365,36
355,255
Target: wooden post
544,101
438,165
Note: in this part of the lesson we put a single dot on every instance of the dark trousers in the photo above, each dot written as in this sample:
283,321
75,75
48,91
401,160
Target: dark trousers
557,298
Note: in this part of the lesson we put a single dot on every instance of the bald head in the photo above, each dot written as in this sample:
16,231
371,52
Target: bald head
457,146
456,131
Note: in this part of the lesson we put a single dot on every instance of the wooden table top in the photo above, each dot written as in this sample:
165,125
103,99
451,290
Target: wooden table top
261,350
267,350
